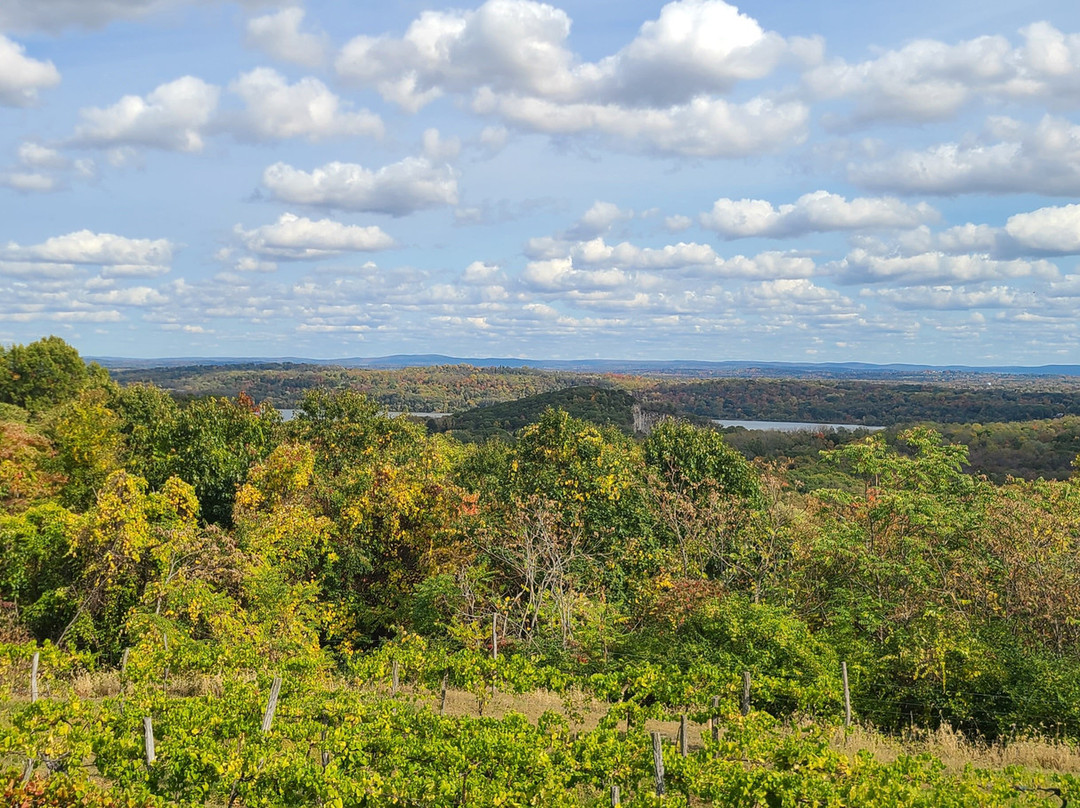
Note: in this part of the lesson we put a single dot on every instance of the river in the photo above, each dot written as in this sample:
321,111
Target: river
792,426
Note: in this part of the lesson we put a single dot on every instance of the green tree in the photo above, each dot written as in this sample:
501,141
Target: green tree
88,445
214,443
42,374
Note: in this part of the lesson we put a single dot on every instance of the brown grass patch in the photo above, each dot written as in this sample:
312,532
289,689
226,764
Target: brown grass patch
957,751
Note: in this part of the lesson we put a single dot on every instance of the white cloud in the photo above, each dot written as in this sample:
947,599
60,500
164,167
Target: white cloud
658,92
42,169
398,189
510,44
599,219
280,36
819,211
479,272
518,46
693,47
173,117
862,266
944,298
21,77
131,296
494,138
930,80
298,238
29,181
34,155
560,274
276,109
1044,158
800,296
925,80
678,223
702,127
122,255
1051,229
438,149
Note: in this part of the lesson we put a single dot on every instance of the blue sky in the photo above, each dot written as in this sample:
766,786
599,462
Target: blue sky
784,180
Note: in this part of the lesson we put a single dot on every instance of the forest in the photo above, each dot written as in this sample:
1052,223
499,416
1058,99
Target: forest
203,604
881,399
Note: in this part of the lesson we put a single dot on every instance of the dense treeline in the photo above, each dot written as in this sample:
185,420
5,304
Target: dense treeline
423,389
601,406
249,542
869,403
1027,449
965,398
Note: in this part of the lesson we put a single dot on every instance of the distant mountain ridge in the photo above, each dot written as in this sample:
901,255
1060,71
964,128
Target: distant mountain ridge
684,367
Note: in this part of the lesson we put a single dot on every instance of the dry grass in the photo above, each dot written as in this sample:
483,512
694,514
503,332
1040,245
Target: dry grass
956,750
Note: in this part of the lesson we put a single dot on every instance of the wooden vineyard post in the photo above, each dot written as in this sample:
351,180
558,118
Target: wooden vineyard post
271,705
34,662
442,699
684,742
658,763
325,756
847,695
28,771
123,677
495,636
714,722
148,738
745,707
615,802
394,680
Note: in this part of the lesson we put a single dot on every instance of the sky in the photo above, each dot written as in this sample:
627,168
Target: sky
781,180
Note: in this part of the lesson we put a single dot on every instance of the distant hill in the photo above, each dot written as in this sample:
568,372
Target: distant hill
675,367
598,405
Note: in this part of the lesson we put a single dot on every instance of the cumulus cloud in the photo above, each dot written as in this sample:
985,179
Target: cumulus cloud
519,46
1050,230
42,169
673,270
279,35
131,296
174,117
21,77
397,189
1044,158
599,219
659,91
929,80
439,149
117,254
276,109
863,266
29,181
296,237
946,297
819,211
925,80
480,272
678,223
702,127
796,296
35,155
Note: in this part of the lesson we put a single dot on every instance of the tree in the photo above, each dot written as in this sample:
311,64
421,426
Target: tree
25,458
42,374
214,443
702,494
88,445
